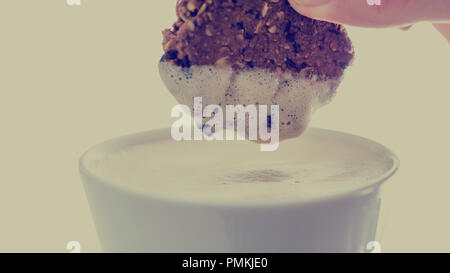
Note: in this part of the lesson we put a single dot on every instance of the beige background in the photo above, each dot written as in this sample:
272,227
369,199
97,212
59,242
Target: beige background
73,76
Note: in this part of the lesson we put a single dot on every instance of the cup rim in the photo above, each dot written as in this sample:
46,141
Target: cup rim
162,133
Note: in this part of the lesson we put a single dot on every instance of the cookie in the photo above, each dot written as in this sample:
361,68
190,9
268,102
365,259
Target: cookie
254,52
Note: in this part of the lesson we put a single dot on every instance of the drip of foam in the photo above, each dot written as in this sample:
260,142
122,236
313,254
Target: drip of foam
297,96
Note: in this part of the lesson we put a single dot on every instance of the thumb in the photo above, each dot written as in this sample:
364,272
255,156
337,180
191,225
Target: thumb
374,13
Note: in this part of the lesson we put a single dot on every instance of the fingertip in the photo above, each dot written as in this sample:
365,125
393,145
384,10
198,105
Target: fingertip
310,8
335,11
360,13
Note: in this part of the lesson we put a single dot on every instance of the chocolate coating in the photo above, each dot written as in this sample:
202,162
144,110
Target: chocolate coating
266,34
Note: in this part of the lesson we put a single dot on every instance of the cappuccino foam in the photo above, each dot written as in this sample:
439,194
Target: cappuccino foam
320,164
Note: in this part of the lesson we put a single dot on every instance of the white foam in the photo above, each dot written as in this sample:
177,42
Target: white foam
320,163
298,97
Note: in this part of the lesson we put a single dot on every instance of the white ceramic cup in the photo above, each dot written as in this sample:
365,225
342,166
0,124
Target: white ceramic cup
330,221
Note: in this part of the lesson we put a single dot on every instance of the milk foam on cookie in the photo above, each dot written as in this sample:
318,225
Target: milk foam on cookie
297,97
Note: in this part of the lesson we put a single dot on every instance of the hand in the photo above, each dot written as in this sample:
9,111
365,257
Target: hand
399,13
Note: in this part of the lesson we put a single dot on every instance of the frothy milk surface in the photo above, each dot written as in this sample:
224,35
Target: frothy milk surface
319,164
